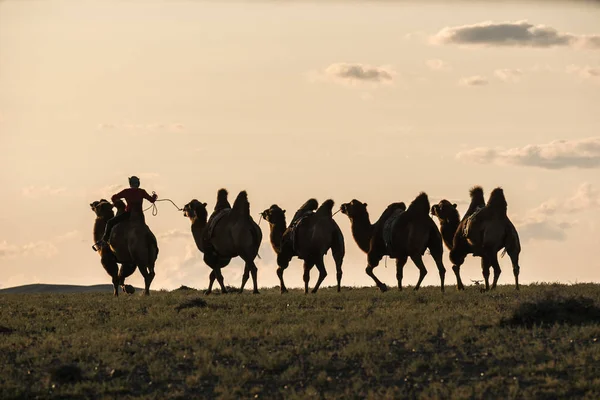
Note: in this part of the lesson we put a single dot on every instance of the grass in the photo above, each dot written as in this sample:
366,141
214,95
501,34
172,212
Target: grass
541,342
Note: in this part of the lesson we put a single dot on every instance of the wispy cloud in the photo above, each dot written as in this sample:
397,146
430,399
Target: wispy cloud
437,65
35,192
552,219
509,74
512,34
175,234
353,74
476,80
579,153
42,249
585,72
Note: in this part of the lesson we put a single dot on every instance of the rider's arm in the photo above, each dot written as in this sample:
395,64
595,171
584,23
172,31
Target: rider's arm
152,198
118,196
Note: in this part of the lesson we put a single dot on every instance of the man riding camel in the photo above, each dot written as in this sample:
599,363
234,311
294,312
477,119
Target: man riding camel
134,196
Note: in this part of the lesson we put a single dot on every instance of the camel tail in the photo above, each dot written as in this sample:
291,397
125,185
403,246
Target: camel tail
222,201
241,204
497,201
326,208
420,205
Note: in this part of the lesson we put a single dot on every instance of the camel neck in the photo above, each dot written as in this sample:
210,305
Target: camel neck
448,228
362,230
99,227
198,226
277,230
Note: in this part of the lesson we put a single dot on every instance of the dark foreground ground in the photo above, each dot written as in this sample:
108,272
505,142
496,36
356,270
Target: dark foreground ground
541,342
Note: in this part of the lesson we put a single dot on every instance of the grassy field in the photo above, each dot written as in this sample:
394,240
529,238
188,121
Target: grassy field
541,342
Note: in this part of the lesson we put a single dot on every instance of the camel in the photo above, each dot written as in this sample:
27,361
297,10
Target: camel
483,231
310,235
229,232
399,233
131,243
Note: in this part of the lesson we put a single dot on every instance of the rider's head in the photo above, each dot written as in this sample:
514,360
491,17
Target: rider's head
134,182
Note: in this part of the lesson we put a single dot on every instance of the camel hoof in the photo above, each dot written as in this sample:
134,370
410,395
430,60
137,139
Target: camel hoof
146,293
207,292
240,291
128,289
255,292
284,291
383,288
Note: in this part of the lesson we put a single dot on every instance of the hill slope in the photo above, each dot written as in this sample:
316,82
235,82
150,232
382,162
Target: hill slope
47,288
541,342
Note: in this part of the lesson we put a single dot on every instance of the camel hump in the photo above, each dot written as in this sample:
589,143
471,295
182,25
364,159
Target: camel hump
476,192
477,200
222,202
310,205
420,205
241,204
497,201
326,208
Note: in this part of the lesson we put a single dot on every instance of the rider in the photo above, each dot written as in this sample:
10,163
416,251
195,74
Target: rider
134,196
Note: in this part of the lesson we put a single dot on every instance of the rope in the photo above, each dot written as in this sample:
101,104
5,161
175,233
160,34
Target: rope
155,208
336,212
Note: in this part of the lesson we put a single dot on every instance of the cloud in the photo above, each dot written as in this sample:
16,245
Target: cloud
590,42
359,73
35,192
552,219
508,74
559,154
512,34
587,197
437,65
474,81
175,234
585,72
42,249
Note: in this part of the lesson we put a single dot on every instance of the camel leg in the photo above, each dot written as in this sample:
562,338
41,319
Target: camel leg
372,262
485,269
245,277
146,274
211,281
497,270
307,267
254,272
112,269
281,283
459,283
338,251
322,275
125,271
418,260
436,249
400,263
514,258
219,277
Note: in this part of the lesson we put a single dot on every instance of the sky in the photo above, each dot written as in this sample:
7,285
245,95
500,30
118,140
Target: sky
291,100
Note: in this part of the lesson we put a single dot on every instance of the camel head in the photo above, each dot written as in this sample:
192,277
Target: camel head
195,210
354,208
274,215
444,210
120,206
102,208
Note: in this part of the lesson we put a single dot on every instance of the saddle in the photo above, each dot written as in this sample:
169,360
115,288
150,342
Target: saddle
290,234
388,228
470,220
214,220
